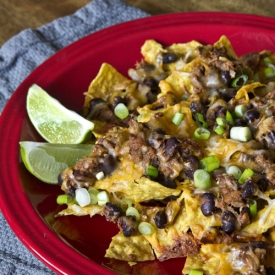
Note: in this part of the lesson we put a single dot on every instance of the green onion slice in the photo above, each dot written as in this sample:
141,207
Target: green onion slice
103,197
240,110
177,118
195,272
201,133
253,210
235,171
239,81
121,111
82,197
145,228
219,130
200,120
93,191
267,60
125,203
132,211
210,163
152,171
229,118
269,72
202,179
100,175
64,199
221,121
94,199
247,173
241,133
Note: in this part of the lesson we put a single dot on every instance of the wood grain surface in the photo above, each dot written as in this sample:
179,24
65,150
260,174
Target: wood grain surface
16,15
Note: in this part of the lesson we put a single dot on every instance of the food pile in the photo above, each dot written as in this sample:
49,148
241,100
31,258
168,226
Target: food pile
183,160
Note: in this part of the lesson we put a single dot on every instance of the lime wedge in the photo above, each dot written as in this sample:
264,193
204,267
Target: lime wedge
54,122
46,160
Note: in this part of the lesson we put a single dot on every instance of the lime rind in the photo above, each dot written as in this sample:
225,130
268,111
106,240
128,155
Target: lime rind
54,122
45,161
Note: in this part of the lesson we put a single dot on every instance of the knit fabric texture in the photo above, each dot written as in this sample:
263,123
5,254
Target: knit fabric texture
19,56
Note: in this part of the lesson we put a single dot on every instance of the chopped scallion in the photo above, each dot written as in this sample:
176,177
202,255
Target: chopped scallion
103,197
82,197
221,121
100,175
93,191
247,173
239,81
200,120
219,130
240,133
64,199
121,111
229,118
210,163
269,72
201,133
125,203
253,209
267,60
177,118
235,171
202,179
240,110
152,171
132,211
145,228
195,272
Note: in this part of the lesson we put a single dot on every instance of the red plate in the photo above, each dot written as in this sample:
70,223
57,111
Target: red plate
76,245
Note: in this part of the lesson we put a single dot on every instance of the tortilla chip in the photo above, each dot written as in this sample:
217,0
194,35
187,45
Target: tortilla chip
186,127
76,210
150,50
243,92
130,249
144,189
224,42
105,83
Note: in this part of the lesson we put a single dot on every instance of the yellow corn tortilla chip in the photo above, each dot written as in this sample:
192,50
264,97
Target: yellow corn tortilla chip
144,189
130,249
186,127
150,50
105,83
76,210
224,42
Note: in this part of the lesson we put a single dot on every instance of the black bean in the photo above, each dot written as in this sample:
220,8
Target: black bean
208,196
208,208
263,184
152,83
208,205
228,93
151,97
169,58
221,111
197,107
192,162
229,222
259,244
167,182
171,146
160,219
112,211
128,225
251,115
60,178
248,189
118,99
225,76
96,101
108,165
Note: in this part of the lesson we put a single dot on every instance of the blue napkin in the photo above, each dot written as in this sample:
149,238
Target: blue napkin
18,58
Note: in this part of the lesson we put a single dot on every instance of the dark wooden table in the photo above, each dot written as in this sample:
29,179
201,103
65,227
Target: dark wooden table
16,15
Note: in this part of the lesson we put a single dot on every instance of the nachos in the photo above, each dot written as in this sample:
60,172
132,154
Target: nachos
183,160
